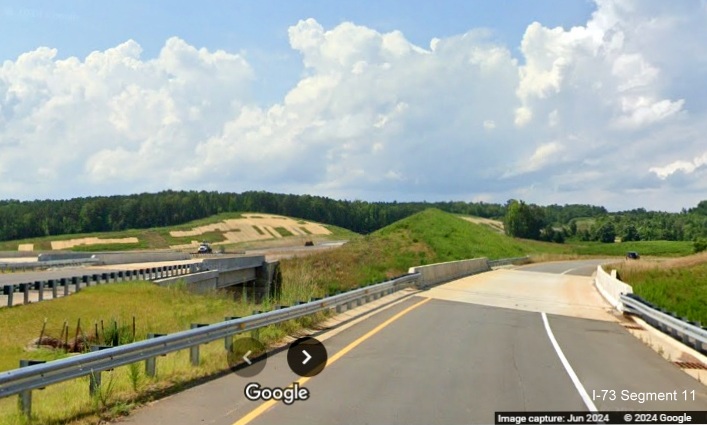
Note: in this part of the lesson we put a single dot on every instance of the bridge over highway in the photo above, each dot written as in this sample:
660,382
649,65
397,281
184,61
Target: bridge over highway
533,338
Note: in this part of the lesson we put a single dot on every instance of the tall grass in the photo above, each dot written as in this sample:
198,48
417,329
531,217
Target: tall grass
170,310
678,285
644,248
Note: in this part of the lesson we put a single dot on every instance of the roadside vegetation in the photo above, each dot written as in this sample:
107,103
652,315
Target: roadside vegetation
93,314
644,248
678,285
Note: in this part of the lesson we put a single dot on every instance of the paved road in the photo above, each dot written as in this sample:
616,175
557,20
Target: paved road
515,340
576,268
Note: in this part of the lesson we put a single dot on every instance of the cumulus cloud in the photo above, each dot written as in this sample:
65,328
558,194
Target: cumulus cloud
375,116
687,167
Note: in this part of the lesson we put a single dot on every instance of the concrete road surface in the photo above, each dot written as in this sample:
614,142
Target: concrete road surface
508,340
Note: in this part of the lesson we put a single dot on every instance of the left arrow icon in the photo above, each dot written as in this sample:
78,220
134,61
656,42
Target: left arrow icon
245,357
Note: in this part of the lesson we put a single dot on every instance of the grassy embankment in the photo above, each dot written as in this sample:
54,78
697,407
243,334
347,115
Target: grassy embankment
678,285
431,236
160,237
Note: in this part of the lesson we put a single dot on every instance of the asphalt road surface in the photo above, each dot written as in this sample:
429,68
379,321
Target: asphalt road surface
507,340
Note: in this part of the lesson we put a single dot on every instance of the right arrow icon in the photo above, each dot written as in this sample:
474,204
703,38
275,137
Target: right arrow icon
307,356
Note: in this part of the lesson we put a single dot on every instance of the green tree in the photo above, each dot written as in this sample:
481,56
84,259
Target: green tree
606,232
523,220
630,234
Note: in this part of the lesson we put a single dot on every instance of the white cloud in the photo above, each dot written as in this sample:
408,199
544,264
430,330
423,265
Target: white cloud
543,155
580,113
687,167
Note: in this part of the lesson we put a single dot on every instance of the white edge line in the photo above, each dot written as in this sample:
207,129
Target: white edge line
575,380
572,269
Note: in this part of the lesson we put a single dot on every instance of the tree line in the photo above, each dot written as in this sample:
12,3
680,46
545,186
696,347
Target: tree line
585,223
29,219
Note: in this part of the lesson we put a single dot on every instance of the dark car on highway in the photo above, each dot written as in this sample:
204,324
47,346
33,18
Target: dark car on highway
632,255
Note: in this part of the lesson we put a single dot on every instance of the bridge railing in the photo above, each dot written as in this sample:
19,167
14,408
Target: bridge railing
621,296
19,293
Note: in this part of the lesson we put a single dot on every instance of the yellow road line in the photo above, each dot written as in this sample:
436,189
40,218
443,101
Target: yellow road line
268,404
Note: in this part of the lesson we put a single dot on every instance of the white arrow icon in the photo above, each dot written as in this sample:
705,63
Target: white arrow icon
245,357
308,357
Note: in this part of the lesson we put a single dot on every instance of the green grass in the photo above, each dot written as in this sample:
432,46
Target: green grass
283,232
428,237
171,310
110,247
678,285
584,223
644,248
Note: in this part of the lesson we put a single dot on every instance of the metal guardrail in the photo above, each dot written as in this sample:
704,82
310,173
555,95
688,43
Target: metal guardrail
37,376
96,278
690,333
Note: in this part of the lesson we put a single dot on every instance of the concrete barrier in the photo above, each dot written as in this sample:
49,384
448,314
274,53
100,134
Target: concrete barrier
435,274
611,288
198,282
61,256
109,258
233,263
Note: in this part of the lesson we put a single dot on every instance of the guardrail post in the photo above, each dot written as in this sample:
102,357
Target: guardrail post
194,351
24,288
64,282
25,397
151,362
94,382
9,290
40,287
228,341
52,284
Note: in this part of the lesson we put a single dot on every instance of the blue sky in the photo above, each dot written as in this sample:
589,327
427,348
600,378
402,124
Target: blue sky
258,29
556,101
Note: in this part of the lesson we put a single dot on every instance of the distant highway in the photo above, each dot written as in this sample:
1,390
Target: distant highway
507,340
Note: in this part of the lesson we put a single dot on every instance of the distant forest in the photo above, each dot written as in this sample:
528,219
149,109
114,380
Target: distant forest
29,219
